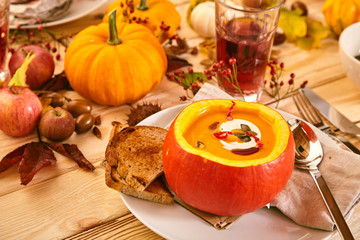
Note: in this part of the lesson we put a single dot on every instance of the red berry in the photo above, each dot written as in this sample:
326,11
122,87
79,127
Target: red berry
232,61
183,98
272,72
47,45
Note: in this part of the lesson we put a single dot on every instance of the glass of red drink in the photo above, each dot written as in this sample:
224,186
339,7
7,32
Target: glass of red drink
245,32
4,32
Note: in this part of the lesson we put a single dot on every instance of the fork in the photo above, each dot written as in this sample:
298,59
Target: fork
309,113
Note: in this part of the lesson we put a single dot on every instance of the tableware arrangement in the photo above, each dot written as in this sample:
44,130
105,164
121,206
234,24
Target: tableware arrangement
29,12
4,31
308,155
311,114
174,222
245,31
76,10
349,47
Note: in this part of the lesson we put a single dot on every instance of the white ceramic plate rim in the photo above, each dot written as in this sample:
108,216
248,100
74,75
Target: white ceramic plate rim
77,9
175,222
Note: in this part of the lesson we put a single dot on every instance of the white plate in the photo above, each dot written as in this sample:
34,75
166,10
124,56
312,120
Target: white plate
175,222
77,9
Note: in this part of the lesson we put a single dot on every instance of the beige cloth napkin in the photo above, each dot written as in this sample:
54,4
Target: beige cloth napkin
300,200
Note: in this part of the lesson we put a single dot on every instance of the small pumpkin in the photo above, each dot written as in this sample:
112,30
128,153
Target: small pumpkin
203,19
341,13
157,11
214,182
113,64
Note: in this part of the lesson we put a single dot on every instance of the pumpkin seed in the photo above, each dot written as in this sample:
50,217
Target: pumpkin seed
245,127
253,133
242,136
200,145
213,126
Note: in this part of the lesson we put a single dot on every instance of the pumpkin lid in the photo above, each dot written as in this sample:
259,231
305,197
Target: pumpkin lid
188,117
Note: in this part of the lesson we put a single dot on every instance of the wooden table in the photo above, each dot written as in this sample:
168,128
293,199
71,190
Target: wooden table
64,201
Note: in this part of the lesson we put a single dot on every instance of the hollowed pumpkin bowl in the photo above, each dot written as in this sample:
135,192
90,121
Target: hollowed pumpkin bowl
227,186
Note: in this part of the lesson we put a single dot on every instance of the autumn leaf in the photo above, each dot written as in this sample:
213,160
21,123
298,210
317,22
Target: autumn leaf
19,78
36,156
175,62
316,32
306,33
72,151
12,158
293,24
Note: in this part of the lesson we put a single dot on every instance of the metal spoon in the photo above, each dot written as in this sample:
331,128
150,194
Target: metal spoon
308,155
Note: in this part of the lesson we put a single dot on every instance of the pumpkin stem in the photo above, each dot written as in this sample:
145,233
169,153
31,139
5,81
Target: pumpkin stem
114,38
142,6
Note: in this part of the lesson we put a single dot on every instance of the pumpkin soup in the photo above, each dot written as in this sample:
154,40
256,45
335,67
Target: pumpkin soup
233,135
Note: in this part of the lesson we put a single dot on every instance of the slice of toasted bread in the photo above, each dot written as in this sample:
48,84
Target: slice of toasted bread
137,152
155,192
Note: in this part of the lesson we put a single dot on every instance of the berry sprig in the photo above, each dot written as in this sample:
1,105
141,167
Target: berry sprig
163,28
191,81
128,9
40,36
273,87
222,73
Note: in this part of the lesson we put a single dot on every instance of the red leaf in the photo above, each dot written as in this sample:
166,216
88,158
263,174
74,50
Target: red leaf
36,156
175,62
72,151
12,158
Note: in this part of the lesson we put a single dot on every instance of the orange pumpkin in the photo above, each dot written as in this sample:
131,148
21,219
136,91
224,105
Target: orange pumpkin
157,11
113,64
227,185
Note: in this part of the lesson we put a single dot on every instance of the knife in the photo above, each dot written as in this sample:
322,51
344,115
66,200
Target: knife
334,117
331,114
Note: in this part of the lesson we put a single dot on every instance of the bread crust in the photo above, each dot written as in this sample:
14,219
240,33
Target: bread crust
134,162
155,192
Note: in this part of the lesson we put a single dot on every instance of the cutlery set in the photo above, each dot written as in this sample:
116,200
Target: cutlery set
339,124
308,149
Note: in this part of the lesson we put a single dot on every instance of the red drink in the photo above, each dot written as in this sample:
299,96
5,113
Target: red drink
3,46
244,40
4,31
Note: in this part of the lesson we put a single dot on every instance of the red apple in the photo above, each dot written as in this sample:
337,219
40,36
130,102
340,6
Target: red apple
20,110
41,68
57,124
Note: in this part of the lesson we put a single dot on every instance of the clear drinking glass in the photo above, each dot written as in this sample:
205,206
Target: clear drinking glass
4,32
245,31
